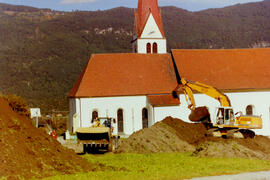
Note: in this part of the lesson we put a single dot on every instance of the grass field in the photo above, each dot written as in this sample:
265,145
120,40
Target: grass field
164,166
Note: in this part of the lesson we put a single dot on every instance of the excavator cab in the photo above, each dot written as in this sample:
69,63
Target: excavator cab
225,116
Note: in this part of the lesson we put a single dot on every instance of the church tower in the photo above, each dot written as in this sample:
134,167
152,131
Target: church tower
149,37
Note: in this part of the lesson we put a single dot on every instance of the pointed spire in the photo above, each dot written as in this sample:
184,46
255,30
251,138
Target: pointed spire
145,7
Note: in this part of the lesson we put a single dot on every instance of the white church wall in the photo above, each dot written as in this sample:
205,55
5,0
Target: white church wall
132,109
151,29
107,106
74,114
142,43
162,112
151,117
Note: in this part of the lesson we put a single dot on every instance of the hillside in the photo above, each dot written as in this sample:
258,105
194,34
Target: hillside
42,52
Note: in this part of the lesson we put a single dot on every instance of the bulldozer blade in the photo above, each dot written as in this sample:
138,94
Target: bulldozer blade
93,136
200,114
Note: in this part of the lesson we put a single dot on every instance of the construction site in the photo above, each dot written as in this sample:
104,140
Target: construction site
44,156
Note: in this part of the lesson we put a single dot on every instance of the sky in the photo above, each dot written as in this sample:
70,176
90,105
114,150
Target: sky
93,5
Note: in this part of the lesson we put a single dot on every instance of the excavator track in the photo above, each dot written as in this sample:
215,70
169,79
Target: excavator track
247,133
214,132
240,133
234,133
231,133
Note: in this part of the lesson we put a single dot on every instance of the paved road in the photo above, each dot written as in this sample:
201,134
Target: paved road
262,175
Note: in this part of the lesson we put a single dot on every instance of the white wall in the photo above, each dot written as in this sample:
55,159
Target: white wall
151,29
239,101
161,43
132,110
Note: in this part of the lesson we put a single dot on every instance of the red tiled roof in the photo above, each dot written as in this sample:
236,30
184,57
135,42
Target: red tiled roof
145,7
126,74
232,69
163,100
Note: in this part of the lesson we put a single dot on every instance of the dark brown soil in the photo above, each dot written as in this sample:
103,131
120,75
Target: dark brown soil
192,133
175,135
27,152
159,138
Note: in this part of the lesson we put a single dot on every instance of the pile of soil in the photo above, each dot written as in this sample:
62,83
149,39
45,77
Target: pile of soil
28,152
258,147
159,138
175,135
169,135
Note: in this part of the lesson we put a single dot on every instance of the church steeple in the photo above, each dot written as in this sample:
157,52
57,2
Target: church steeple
149,30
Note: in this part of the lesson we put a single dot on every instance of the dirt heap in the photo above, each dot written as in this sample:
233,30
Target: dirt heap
28,152
169,135
258,147
159,138
175,135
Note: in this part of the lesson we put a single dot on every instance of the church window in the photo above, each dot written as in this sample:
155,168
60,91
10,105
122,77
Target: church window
94,116
120,121
155,48
148,48
144,118
249,110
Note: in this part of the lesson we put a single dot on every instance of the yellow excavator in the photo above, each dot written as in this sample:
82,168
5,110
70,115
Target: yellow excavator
226,124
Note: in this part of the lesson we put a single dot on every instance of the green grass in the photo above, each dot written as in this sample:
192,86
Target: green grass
165,166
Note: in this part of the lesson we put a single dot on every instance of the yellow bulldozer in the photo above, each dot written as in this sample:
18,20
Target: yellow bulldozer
225,124
99,136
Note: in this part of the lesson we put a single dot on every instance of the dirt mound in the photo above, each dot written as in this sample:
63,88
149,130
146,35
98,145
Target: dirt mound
192,133
28,152
228,149
169,135
175,135
159,138
258,147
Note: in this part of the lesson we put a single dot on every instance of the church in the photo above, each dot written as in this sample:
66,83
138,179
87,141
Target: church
136,88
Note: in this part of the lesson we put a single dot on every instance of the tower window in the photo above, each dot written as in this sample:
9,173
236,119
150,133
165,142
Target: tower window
155,48
148,48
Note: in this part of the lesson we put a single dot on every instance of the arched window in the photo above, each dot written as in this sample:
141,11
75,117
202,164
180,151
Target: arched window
120,121
94,116
155,48
148,48
144,118
249,110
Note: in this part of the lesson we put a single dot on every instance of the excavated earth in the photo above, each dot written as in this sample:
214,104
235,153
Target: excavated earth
28,152
175,135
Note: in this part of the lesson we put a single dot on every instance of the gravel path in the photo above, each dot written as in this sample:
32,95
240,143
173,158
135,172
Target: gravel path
262,175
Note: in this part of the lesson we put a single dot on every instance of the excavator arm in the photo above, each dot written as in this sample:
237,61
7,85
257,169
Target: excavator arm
188,87
200,113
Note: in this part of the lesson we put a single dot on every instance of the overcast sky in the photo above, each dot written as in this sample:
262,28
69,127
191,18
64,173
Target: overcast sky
92,5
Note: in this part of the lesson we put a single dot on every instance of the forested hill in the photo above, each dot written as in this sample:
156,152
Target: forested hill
42,52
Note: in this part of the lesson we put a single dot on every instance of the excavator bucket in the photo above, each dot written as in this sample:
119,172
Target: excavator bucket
200,114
